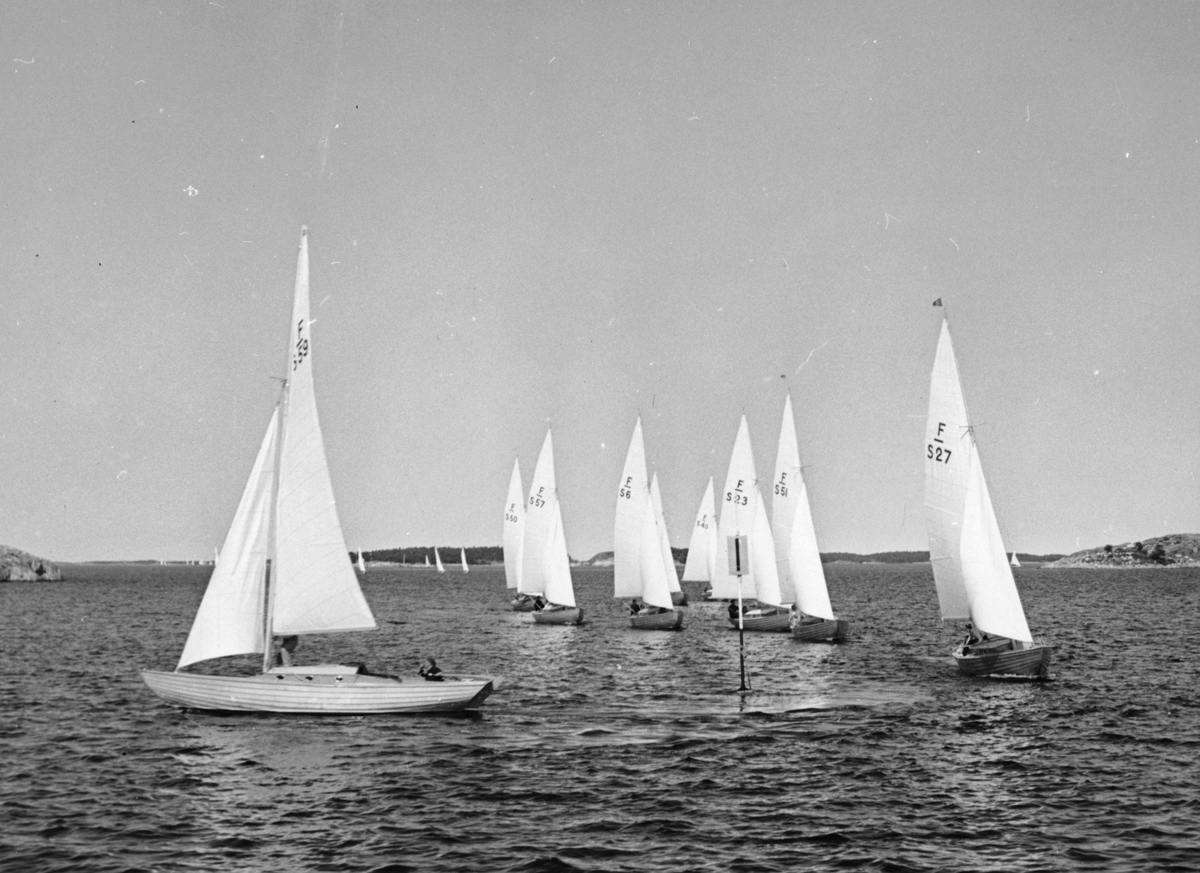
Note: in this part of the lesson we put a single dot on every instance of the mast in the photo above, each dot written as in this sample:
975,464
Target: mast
269,581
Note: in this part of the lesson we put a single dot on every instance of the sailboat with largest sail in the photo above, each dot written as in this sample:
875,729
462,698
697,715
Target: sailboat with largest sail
970,567
283,572
801,575
639,565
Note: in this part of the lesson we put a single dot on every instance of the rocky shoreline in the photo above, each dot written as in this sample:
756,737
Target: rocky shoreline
18,566
1170,551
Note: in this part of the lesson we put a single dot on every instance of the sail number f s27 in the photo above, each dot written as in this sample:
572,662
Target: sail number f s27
935,451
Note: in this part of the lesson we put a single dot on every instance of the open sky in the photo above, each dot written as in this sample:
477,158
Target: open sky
525,214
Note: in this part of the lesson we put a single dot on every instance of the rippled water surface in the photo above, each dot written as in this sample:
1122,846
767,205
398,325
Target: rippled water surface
614,749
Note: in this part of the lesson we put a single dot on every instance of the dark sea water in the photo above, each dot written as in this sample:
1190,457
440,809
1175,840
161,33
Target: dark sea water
613,749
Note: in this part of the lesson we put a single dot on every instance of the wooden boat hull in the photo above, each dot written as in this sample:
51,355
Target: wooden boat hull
679,598
1033,661
821,630
569,615
522,604
772,622
672,619
320,692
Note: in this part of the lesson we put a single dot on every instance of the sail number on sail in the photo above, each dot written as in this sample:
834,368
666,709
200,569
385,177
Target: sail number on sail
626,490
536,499
511,513
781,487
736,497
301,345
937,453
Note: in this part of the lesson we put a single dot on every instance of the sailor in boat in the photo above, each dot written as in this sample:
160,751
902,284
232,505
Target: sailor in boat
287,647
430,670
539,603
635,606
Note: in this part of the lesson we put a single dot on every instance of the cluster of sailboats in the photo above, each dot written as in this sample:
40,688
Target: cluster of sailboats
283,571
768,566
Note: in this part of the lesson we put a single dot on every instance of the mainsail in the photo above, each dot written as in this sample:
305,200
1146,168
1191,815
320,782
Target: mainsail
738,511
801,576
702,548
514,527
313,586
632,499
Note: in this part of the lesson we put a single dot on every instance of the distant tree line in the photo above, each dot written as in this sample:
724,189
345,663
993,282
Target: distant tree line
418,554
495,555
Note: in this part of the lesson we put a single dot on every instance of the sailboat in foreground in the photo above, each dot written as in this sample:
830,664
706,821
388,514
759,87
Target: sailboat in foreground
283,572
545,564
970,567
639,564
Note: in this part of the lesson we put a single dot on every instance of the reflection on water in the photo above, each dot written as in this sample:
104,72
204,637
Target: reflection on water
609,748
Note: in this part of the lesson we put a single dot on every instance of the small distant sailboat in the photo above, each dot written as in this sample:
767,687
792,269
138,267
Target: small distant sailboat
462,556
427,560
545,564
438,560
513,539
362,563
639,565
1014,562
702,548
802,578
970,568
284,572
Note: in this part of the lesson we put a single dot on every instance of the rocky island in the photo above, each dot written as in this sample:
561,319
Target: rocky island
18,566
1172,550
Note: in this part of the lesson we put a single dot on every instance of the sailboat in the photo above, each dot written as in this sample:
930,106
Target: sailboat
362,563
970,568
545,564
462,557
639,566
702,547
802,578
438,560
513,539
1014,562
283,573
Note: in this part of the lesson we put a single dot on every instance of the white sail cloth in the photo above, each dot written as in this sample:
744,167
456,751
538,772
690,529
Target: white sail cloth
970,565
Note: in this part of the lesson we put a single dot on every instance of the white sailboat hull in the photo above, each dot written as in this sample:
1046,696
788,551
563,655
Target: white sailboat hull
558,615
672,619
321,692
770,620
819,630
1032,661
